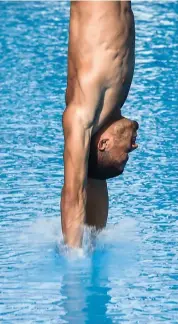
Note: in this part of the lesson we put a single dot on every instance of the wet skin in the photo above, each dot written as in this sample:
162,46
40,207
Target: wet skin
101,60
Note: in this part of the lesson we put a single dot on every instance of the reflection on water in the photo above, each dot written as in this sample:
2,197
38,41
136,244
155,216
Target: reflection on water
80,278
131,273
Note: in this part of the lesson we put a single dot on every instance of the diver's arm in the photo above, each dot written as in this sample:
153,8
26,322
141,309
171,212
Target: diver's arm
97,203
77,133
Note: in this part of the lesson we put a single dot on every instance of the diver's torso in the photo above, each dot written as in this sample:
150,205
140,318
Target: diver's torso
102,46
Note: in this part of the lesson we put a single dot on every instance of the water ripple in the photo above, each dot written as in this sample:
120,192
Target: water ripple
132,274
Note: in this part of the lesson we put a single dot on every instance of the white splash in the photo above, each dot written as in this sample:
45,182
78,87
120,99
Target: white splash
48,231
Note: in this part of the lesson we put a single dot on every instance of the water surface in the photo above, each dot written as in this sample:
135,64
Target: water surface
132,274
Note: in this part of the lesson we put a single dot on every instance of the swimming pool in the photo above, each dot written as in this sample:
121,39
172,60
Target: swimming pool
132,274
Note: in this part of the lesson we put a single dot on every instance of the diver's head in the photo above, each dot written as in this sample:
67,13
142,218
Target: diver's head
109,148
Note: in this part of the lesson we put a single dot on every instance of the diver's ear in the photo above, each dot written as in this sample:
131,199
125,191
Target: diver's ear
103,144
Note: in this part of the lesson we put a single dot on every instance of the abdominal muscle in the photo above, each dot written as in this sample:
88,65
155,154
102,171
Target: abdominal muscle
102,50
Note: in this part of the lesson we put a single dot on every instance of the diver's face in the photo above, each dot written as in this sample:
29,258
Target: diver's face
123,142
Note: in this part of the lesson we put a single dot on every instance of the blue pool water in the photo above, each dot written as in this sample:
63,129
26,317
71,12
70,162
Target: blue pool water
132,274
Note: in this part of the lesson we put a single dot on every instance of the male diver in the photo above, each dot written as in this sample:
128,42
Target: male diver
98,139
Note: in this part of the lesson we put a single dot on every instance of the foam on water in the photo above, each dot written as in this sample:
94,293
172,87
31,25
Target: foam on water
48,232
